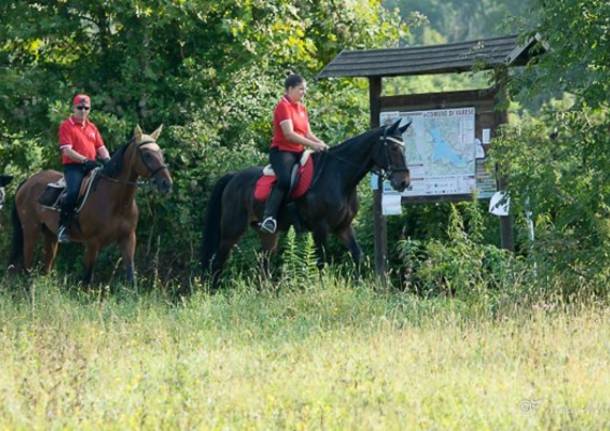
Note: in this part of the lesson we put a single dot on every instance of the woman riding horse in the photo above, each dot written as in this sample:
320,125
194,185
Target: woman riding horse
109,215
291,134
329,206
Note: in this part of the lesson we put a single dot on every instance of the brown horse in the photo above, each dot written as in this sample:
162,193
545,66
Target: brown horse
109,215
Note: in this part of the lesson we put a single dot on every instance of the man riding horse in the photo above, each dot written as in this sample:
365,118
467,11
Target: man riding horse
108,214
79,142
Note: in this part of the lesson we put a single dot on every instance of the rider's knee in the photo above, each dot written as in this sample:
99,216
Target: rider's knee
283,184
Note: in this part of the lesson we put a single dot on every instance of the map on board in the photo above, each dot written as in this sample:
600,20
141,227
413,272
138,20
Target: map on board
440,150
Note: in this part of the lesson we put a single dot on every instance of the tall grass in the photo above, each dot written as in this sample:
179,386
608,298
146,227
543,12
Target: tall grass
330,354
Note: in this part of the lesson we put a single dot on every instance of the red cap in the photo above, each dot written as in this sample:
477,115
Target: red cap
81,99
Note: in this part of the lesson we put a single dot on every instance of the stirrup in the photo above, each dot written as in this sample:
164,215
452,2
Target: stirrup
268,225
62,235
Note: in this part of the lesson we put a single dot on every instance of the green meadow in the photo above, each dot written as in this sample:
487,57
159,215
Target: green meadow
334,354
465,337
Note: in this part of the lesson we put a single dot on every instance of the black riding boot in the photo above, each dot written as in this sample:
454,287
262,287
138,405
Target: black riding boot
66,216
269,223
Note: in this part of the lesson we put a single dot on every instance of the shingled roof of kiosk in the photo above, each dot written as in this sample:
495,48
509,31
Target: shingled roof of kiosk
419,60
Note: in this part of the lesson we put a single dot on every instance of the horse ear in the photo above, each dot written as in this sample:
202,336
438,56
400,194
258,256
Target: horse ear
156,133
393,127
137,133
404,128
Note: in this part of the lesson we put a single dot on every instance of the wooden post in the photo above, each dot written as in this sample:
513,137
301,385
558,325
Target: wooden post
381,234
506,222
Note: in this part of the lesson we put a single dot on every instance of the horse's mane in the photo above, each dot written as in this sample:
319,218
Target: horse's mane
355,139
114,167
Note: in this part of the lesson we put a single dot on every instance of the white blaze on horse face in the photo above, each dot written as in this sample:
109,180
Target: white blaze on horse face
397,141
397,151
1,197
153,146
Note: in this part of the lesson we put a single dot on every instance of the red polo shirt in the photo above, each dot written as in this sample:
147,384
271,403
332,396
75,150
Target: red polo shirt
82,138
288,110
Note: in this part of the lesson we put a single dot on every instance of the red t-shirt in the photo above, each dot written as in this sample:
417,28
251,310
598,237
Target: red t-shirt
82,138
287,110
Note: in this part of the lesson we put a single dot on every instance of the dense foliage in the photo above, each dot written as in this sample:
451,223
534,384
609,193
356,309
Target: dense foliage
557,157
212,71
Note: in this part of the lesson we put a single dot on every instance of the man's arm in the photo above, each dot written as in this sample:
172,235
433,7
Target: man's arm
102,153
65,144
73,155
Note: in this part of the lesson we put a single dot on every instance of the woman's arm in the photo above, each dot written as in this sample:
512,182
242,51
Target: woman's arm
310,135
314,138
309,140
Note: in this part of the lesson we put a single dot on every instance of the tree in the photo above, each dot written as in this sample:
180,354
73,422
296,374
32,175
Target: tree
211,71
557,158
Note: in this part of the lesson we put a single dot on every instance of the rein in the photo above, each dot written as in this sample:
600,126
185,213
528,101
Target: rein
114,180
381,172
94,175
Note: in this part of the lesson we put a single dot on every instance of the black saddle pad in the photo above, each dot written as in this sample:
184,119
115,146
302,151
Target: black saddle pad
50,197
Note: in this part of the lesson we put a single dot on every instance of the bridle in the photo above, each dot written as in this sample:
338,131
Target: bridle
151,171
385,173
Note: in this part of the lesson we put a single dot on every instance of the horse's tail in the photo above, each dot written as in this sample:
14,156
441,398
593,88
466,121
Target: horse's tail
211,230
17,246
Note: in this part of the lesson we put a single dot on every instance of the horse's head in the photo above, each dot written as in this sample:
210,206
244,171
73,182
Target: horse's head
4,180
149,162
389,156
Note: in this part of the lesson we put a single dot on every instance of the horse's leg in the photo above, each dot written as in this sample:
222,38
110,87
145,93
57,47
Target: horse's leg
128,249
348,238
91,252
232,228
226,244
30,236
50,250
269,243
320,234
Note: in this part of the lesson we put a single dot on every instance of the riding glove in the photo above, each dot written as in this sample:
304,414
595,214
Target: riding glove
89,165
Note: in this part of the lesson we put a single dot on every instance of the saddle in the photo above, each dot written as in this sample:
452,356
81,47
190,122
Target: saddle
55,192
300,179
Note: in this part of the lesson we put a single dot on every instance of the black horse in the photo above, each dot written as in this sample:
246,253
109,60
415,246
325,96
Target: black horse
329,206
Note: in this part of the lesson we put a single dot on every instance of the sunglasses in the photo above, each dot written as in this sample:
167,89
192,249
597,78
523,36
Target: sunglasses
83,108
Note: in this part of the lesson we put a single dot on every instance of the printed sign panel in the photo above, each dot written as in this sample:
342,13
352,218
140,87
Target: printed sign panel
441,152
